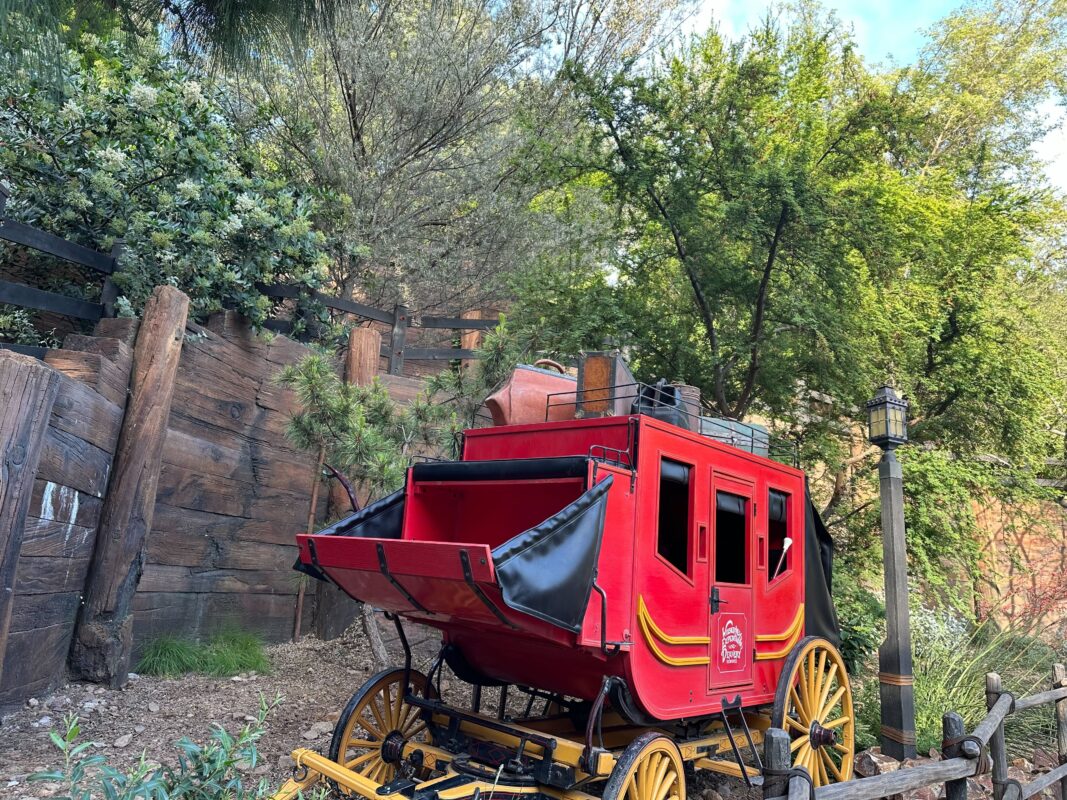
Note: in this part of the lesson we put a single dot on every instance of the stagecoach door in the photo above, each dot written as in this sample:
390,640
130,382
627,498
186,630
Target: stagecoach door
730,595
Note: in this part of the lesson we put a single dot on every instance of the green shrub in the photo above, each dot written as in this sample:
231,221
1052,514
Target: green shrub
227,653
951,659
211,771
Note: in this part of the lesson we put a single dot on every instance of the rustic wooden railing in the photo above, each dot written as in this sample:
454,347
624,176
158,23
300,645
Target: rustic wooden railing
17,294
961,762
399,321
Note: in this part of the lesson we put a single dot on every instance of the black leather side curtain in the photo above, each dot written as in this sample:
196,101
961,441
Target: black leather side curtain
820,616
673,471
777,506
383,519
724,501
547,571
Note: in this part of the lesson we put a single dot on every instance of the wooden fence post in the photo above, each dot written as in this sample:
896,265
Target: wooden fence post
1059,680
110,292
998,751
334,610
776,757
27,392
952,727
101,649
396,346
471,339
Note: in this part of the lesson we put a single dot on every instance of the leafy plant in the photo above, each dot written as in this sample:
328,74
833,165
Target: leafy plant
227,653
135,146
210,771
951,659
16,326
361,431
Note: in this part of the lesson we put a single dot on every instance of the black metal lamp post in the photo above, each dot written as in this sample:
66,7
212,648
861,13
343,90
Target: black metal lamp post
887,424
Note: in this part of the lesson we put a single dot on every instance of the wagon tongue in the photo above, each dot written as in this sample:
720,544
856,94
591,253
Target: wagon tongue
542,575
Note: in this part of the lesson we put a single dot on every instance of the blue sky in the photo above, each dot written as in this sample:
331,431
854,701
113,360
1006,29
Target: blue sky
883,29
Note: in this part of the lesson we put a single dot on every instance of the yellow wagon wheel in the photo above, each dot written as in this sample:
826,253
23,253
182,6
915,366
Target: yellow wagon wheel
375,724
650,768
814,704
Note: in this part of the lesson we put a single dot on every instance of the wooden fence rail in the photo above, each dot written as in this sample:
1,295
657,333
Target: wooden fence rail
23,296
17,294
965,761
399,319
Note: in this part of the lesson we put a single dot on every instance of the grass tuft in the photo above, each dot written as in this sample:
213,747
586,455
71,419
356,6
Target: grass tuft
231,652
169,657
226,653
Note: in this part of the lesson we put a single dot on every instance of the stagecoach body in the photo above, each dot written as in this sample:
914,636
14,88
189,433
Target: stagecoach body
632,569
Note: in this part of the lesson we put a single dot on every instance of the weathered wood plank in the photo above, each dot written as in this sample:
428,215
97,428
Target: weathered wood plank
1059,679
184,451
175,522
1039,699
163,578
102,647
70,461
199,615
33,661
213,493
53,501
204,552
122,328
115,352
48,575
898,782
51,539
33,611
93,370
85,413
403,390
998,705
1050,778
27,391
952,727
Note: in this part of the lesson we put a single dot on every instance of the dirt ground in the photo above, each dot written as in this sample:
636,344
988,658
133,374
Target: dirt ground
313,678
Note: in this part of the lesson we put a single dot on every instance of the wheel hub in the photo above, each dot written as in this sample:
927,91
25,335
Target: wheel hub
820,736
393,748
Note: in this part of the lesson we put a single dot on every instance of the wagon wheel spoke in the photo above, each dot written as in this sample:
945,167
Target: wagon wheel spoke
829,762
837,723
827,685
833,701
798,743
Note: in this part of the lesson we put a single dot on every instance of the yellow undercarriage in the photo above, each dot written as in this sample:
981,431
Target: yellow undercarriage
313,768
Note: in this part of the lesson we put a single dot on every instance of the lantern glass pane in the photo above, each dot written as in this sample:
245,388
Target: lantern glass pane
878,423
896,428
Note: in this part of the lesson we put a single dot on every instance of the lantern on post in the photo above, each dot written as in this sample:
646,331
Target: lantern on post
887,427
887,419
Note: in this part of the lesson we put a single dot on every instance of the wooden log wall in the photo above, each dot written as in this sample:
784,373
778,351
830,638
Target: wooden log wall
231,495
233,492
58,536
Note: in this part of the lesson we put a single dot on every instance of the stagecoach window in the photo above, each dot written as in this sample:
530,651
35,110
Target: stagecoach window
779,558
672,541
731,557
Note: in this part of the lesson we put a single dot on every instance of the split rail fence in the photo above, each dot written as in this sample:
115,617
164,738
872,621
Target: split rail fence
23,296
399,320
965,756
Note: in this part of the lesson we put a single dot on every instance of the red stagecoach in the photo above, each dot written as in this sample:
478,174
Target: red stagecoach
656,595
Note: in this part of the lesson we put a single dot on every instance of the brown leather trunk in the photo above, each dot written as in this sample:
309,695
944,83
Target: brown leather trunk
531,395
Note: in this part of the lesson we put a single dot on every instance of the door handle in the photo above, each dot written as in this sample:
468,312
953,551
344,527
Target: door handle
716,601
